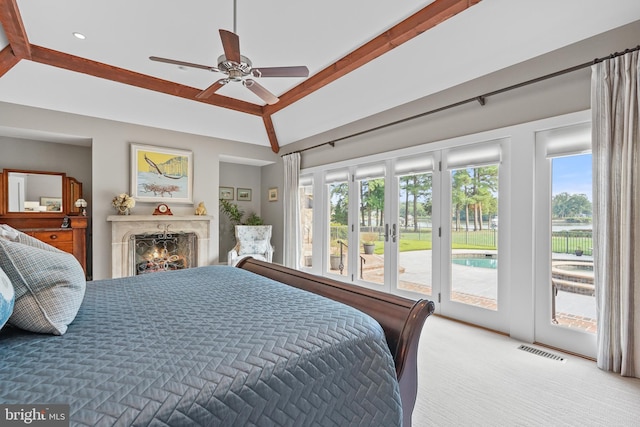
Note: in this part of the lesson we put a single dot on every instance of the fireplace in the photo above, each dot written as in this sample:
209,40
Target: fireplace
186,244
154,252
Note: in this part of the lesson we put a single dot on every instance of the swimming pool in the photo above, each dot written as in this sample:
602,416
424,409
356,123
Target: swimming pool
476,262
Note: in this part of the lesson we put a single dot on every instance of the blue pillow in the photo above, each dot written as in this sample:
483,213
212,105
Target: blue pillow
7,298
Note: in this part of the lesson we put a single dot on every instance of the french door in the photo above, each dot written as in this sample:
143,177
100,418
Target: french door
472,287
565,310
425,226
415,195
393,226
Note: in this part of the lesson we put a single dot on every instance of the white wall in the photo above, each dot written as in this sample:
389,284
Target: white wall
111,168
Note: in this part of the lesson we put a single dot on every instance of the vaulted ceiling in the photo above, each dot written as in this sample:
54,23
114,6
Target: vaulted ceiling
364,56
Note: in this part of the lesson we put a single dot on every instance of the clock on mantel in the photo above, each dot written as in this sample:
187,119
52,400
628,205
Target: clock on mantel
162,209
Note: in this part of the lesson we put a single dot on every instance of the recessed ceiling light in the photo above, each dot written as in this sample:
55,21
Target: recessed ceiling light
79,35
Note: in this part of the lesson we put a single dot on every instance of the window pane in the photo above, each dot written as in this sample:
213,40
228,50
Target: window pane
415,233
371,241
338,227
572,289
306,224
474,236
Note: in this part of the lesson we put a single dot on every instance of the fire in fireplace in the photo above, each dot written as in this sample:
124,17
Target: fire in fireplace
153,252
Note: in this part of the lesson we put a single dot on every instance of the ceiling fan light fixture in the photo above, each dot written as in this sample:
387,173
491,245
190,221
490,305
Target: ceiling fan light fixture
244,66
238,68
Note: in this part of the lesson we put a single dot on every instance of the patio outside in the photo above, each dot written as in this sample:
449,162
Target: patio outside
571,286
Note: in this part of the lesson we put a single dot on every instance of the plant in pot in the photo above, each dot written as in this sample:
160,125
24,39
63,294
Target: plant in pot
578,251
369,242
235,214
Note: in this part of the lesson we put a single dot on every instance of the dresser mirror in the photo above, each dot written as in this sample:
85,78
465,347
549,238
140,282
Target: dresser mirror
26,192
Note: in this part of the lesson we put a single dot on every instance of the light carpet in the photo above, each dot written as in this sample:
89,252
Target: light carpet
469,376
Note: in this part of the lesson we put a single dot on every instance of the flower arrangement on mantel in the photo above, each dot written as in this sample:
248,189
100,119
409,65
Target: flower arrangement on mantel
123,203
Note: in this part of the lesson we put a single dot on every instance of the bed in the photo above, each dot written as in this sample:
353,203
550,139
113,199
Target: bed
256,344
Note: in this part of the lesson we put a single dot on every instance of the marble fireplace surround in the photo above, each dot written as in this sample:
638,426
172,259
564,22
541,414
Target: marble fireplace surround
123,226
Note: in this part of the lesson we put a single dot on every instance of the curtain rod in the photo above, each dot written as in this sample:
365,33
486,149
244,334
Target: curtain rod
481,99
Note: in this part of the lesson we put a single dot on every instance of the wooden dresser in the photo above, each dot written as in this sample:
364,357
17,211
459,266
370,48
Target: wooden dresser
72,239
45,216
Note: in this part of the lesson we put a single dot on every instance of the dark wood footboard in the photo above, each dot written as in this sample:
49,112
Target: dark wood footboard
400,318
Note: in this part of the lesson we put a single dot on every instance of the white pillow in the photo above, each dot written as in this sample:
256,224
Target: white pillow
254,247
49,284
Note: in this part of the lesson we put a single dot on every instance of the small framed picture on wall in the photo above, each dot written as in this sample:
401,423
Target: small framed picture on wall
273,194
243,194
226,193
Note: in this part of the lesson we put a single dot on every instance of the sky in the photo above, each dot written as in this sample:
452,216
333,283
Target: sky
572,175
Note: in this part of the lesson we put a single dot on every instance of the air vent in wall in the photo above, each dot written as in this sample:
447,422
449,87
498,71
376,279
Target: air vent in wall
542,353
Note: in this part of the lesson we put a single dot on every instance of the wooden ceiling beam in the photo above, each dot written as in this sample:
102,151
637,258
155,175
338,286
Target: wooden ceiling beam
7,60
120,75
13,26
271,132
421,21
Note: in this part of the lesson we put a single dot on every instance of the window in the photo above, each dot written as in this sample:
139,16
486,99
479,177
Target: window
337,187
306,220
565,312
415,223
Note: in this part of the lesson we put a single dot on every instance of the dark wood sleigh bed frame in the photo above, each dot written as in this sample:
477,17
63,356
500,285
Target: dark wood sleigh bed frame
401,318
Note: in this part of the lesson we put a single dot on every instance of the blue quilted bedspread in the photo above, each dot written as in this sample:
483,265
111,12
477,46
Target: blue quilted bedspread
209,346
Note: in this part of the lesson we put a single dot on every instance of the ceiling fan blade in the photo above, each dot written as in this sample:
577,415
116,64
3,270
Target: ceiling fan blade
259,90
212,89
300,71
182,63
231,45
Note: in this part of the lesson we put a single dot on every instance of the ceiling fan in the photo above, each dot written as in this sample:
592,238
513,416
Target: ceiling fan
238,68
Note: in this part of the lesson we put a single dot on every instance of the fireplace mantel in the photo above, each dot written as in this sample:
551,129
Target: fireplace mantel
123,226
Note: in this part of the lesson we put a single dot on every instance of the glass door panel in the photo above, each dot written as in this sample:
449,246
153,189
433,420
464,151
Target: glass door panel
338,227
573,303
565,309
415,233
474,237
305,192
371,236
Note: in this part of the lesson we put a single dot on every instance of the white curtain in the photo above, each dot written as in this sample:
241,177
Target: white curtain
291,210
616,211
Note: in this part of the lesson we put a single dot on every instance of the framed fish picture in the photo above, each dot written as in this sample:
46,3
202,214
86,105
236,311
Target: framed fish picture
161,174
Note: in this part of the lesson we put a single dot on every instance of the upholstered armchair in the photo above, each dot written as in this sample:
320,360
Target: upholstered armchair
253,241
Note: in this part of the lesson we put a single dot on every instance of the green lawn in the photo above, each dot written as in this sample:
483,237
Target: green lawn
460,240
568,244
485,239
